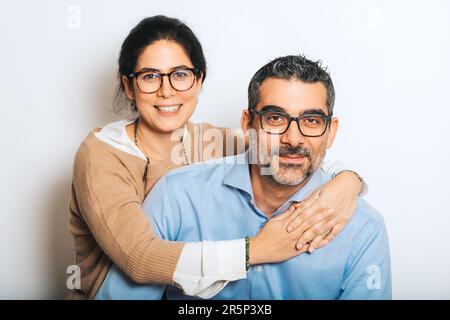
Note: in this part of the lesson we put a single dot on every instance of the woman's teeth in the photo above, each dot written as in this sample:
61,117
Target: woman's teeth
168,108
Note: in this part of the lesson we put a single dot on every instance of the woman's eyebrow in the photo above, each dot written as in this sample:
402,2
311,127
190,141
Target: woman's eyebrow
149,69
158,70
179,67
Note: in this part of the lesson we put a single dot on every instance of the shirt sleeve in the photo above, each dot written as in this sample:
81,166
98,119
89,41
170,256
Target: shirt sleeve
333,168
368,270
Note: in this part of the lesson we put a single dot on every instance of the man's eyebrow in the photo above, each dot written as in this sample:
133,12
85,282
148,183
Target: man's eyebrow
273,108
313,111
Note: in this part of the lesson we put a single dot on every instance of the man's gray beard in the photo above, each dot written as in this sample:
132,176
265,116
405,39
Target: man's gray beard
274,176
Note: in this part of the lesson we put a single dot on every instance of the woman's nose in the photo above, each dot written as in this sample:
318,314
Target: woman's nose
166,90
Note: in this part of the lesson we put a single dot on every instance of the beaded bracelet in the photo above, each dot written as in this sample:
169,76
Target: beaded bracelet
247,254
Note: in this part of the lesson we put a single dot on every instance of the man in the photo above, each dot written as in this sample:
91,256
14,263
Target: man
290,105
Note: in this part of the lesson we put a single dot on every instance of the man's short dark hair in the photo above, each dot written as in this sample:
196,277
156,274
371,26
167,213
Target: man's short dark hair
292,67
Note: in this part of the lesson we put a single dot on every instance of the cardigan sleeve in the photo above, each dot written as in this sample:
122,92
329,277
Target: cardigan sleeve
109,203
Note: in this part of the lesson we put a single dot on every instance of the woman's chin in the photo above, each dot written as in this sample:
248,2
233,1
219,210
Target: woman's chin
170,125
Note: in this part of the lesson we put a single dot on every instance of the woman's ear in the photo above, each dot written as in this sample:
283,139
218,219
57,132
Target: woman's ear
199,81
128,87
200,77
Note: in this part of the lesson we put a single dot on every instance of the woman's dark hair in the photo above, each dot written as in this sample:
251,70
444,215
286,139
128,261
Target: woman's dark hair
148,31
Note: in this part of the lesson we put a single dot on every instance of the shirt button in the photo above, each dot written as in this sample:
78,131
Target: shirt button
258,268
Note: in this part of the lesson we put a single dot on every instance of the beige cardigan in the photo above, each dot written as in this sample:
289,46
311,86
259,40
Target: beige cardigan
106,218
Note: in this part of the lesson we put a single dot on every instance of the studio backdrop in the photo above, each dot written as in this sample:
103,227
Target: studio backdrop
389,60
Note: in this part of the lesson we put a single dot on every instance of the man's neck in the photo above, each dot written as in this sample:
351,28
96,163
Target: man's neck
268,194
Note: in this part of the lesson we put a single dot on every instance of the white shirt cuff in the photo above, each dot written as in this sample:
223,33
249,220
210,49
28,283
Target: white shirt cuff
206,267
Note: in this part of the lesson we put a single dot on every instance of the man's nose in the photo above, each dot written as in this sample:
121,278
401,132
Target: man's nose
293,136
166,90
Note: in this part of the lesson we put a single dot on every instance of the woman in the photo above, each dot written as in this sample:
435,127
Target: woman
162,68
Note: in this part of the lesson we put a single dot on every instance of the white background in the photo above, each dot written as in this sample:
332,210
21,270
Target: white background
390,61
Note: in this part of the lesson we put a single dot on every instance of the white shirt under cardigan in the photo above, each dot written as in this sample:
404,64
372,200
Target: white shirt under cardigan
205,267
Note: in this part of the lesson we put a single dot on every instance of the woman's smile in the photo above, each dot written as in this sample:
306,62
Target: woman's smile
168,110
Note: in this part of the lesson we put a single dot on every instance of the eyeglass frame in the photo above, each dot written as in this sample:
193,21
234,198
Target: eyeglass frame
291,118
135,74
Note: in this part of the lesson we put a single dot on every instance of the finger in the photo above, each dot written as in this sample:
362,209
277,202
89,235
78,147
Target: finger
317,206
310,199
329,226
297,210
306,209
315,243
296,204
307,201
334,232
295,219
284,215
302,249
311,233
304,224
323,243
294,210
319,241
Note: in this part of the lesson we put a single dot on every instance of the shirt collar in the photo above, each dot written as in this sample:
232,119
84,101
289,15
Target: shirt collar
239,177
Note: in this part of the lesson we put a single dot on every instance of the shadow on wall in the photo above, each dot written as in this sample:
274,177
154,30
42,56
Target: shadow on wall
61,253
60,240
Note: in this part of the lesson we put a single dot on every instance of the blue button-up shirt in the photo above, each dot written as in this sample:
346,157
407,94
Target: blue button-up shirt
214,201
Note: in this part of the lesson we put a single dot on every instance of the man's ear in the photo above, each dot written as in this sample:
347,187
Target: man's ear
334,125
246,123
128,87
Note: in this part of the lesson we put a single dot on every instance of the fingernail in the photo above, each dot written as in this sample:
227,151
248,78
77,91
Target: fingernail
290,228
299,245
311,250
